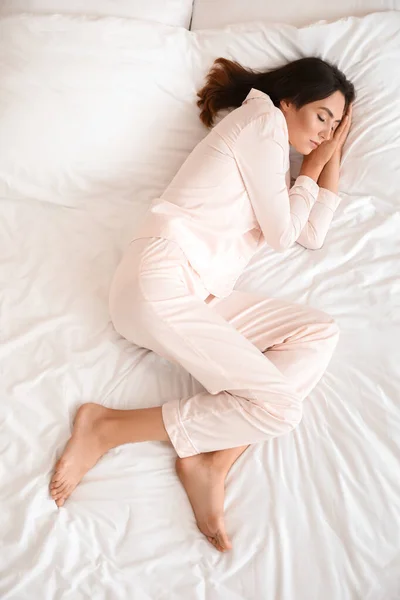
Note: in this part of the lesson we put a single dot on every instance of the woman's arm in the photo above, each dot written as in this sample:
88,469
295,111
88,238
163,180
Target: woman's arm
314,233
261,160
316,228
329,178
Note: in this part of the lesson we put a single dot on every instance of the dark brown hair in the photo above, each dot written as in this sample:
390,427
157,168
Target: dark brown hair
301,81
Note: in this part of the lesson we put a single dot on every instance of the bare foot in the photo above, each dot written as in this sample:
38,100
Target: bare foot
204,482
86,445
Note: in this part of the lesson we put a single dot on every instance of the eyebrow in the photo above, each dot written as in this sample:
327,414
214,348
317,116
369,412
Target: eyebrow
329,113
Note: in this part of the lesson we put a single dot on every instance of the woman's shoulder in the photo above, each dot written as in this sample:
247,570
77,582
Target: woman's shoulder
258,116
261,108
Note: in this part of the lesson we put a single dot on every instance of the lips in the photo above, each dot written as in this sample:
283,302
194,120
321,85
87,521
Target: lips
315,144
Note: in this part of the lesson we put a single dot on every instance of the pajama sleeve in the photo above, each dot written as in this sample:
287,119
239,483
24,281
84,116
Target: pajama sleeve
261,158
314,233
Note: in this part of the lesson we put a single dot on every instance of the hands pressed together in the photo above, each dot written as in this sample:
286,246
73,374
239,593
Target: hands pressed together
333,147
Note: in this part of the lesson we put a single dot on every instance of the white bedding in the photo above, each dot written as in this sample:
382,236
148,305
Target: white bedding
96,117
169,12
218,13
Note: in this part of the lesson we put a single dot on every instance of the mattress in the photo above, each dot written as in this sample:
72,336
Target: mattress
218,13
96,117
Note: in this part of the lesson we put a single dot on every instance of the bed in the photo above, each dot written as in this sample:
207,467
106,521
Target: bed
97,114
218,13
177,13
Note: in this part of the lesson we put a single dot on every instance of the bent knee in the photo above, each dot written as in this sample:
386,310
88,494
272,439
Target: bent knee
124,311
328,326
291,419
115,308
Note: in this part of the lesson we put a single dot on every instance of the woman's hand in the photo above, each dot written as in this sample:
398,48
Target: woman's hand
322,155
329,178
345,132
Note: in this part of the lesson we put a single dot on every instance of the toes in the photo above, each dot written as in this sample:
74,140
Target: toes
58,496
61,497
60,491
220,541
57,479
223,540
58,474
216,545
214,542
56,484
60,470
68,492
215,533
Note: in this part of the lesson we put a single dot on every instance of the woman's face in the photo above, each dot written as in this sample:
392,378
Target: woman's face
313,122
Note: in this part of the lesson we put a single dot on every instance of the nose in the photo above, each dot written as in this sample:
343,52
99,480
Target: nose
326,135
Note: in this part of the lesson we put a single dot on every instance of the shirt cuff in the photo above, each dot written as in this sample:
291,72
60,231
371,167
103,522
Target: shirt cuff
308,184
328,198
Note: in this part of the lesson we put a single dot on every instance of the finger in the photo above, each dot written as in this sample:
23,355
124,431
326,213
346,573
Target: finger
344,131
349,119
344,135
349,113
344,124
341,128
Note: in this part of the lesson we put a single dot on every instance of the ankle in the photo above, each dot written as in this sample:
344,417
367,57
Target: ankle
219,461
105,428
209,460
215,462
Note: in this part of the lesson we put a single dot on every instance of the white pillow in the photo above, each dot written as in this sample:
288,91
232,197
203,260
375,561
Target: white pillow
108,105
92,107
218,13
169,12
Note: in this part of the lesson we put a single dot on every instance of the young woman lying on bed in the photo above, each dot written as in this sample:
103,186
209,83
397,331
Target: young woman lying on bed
258,358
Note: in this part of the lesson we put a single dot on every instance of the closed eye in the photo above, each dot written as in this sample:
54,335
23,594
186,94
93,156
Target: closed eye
323,121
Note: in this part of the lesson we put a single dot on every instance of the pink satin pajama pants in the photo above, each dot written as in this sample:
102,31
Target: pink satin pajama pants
257,358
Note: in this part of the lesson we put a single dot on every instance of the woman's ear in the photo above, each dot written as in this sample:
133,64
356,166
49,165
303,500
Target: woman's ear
284,105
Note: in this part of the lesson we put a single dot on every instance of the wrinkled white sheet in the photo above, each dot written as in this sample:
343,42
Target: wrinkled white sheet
96,117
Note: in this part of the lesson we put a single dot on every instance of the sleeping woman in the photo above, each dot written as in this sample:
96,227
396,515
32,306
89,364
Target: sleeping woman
256,357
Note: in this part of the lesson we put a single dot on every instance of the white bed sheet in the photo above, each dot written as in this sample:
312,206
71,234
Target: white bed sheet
169,12
218,13
96,118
